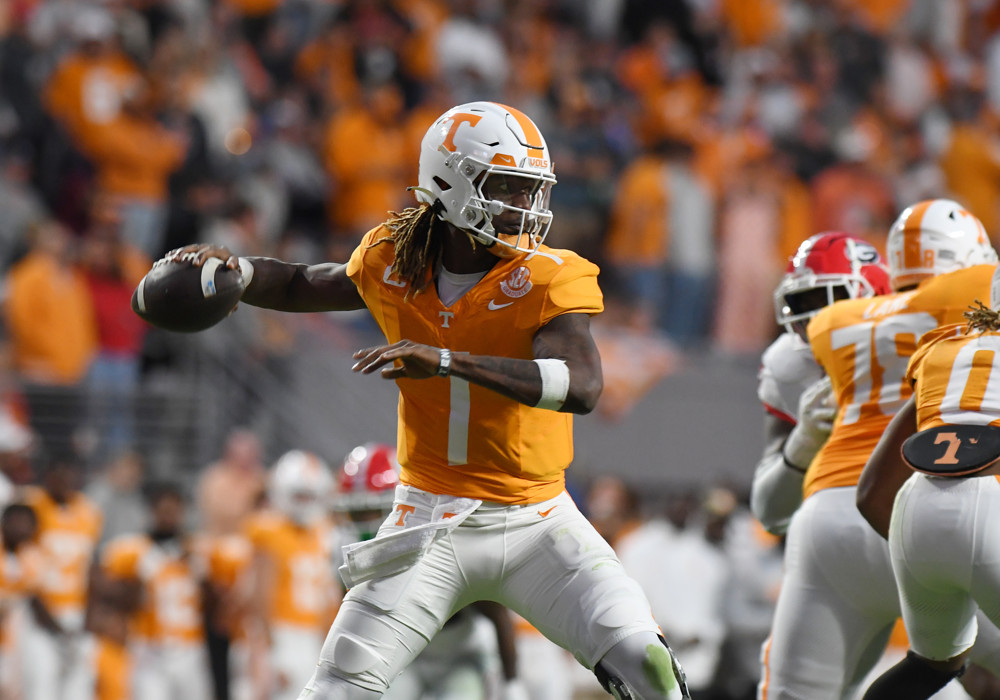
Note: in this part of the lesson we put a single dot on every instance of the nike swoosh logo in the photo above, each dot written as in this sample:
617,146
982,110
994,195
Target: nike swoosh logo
544,513
493,306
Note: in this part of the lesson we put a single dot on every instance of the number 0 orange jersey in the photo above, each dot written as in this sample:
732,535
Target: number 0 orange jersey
956,378
456,437
865,346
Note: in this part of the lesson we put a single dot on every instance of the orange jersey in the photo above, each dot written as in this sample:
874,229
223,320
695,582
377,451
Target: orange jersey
112,670
304,584
458,438
67,536
171,602
222,559
956,377
865,346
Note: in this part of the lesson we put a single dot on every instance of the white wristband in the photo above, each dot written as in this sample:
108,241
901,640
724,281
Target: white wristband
444,364
555,383
246,270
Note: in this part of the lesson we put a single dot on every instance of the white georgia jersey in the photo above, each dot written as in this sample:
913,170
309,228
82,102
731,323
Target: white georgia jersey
787,368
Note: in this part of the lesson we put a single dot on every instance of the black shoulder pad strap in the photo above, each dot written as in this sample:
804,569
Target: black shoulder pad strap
953,450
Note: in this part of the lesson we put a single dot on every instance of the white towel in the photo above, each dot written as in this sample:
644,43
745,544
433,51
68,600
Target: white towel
393,552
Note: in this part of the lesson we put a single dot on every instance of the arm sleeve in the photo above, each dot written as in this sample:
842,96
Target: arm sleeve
776,493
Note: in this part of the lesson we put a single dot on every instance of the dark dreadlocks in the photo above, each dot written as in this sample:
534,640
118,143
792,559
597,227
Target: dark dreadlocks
982,318
416,232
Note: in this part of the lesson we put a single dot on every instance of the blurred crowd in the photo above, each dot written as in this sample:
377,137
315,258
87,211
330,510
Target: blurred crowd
696,142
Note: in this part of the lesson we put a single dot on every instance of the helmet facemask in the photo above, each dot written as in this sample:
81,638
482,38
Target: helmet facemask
800,297
483,211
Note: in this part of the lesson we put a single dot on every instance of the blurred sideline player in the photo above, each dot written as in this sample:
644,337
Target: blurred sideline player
795,392
942,534
69,526
224,562
838,600
292,594
153,576
20,577
459,663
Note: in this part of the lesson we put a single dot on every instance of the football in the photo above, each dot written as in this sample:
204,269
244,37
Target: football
179,297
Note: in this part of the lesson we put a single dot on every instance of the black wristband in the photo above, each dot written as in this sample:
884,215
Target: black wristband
791,465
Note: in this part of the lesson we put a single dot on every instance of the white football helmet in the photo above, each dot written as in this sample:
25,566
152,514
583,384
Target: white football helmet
471,143
933,237
301,486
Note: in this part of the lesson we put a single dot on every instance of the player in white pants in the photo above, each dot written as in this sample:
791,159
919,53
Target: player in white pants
544,561
488,340
942,529
837,603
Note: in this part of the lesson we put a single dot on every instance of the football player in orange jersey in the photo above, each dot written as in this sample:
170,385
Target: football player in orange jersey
795,393
293,592
488,340
941,532
838,600
69,526
152,577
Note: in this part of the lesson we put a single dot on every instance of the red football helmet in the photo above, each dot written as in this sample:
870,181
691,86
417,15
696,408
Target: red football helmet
368,478
827,267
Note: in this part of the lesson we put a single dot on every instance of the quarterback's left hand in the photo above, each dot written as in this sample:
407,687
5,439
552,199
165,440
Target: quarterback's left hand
416,361
514,690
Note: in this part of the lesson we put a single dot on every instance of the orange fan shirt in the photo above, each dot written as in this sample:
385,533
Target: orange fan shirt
458,438
171,602
865,346
67,536
304,585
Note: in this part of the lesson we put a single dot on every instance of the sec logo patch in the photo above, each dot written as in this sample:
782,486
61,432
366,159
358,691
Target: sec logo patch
518,283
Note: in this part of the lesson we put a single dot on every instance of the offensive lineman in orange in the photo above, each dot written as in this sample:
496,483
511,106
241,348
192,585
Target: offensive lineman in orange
488,340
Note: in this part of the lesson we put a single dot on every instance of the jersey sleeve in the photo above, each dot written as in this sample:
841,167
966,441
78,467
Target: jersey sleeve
573,289
356,269
120,558
261,531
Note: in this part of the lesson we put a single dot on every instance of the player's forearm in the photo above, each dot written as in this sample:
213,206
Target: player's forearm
885,472
776,492
285,286
521,380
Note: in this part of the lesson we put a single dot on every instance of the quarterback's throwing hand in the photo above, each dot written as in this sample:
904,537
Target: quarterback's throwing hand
415,361
198,253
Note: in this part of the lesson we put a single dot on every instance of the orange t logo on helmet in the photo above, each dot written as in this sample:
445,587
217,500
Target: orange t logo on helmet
456,121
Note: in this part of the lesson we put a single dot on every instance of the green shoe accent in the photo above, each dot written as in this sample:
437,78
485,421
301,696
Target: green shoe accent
659,669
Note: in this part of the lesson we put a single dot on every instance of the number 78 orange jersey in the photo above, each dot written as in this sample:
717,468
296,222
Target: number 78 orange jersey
458,438
865,345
